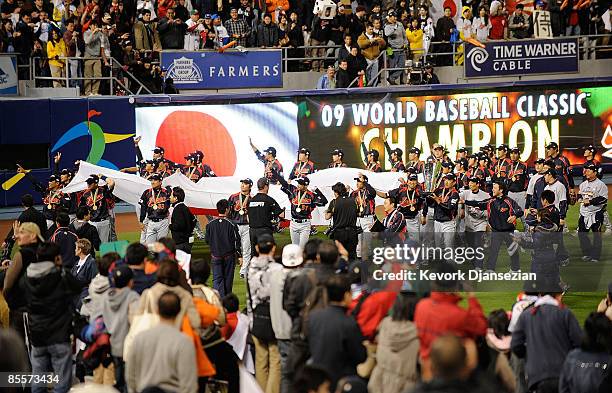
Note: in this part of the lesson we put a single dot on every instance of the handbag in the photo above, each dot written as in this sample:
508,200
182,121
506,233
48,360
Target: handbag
145,321
262,323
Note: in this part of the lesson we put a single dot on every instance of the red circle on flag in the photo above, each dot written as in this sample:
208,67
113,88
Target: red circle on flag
183,132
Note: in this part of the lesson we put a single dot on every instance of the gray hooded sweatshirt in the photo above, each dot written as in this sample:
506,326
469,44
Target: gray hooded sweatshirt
115,311
92,304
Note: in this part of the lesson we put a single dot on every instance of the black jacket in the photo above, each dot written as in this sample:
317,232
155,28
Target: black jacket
84,276
50,291
267,35
222,236
182,223
85,230
172,35
66,239
335,342
499,210
30,215
343,78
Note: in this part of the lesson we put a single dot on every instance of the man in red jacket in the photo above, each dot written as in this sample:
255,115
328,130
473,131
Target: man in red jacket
439,314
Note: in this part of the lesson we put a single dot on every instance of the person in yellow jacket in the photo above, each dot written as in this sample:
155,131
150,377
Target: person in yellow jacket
414,34
56,51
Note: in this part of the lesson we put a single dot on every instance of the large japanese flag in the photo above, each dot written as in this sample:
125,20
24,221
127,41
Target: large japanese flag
222,132
436,10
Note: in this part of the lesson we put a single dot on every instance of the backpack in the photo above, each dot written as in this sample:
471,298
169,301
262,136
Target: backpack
315,300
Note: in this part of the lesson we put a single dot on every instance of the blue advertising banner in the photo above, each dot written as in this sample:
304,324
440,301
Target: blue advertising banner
8,75
522,57
227,70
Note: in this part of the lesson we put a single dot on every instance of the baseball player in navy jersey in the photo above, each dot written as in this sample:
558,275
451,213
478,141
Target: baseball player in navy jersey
562,166
204,168
303,202
365,196
162,168
413,160
533,180
462,153
96,198
412,203
158,154
475,217
154,207
395,158
501,167
371,161
303,166
337,157
268,157
593,199
517,179
239,215
445,201
394,221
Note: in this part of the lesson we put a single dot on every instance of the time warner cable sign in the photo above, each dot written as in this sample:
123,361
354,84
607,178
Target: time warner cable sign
227,70
522,57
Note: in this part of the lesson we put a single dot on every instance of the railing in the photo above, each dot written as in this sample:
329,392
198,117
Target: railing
114,81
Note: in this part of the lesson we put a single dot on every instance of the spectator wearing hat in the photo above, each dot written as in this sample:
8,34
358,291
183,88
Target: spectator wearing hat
292,260
303,202
238,28
337,156
238,214
445,201
195,26
365,196
28,237
593,198
303,167
371,44
327,80
146,35
182,221
502,215
154,206
544,336
263,212
53,199
475,217
224,240
96,199
119,305
429,77
268,157
518,23
396,40
267,358
171,30
51,290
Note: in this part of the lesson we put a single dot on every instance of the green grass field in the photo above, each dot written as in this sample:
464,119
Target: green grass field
581,303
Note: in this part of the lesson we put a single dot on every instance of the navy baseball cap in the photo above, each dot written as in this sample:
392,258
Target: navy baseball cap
247,181
337,152
415,150
592,167
590,148
503,146
303,181
155,176
474,179
447,164
398,151
515,150
93,179
207,16
122,275
552,145
270,150
374,152
540,161
364,178
158,150
190,157
265,239
438,147
462,150
304,150
450,176
66,172
53,178
552,172
413,176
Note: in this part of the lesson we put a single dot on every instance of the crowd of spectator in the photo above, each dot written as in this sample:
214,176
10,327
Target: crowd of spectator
133,33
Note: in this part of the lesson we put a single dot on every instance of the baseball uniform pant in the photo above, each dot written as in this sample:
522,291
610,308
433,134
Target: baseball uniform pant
363,242
521,199
445,233
497,238
103,228
113,231
427,230
413,228
156,230
591,249
300,231
245,244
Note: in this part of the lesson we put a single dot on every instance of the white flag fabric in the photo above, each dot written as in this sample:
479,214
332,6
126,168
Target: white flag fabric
208,190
